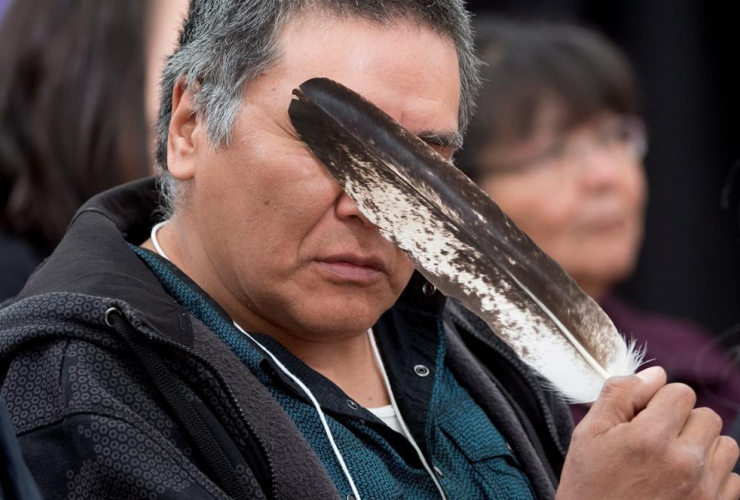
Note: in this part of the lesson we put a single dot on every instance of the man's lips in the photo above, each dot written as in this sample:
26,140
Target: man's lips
354,267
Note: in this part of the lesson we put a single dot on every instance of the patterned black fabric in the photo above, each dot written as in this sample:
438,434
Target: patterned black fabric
84,410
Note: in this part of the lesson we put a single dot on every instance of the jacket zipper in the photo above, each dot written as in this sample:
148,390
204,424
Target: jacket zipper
230,395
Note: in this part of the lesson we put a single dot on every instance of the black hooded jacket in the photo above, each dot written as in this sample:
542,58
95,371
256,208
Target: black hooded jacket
115,391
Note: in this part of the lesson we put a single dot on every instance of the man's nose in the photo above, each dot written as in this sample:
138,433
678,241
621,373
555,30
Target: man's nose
347,209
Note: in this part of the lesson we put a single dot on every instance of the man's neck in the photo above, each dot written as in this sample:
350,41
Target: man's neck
348,362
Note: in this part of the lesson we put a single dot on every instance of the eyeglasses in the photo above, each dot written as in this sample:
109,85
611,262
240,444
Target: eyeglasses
622,136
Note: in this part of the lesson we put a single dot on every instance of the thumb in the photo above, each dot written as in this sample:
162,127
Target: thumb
624,397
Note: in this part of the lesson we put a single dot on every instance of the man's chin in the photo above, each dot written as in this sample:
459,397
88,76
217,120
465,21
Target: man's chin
342,319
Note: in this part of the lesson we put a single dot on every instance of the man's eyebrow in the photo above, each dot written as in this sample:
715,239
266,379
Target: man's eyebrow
452,140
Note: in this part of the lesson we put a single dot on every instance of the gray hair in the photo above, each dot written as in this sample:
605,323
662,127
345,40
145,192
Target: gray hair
225,44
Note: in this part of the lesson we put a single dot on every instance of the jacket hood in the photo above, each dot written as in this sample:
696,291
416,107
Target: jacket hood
94,258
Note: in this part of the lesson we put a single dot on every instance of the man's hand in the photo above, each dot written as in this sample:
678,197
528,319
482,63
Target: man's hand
643,439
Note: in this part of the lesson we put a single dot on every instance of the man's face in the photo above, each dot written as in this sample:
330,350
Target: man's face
280,236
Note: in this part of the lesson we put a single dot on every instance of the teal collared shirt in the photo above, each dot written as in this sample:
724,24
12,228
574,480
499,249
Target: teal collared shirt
469,456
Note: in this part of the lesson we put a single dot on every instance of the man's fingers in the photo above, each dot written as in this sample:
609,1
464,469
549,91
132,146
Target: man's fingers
702,428
730,489
623,397
669,410
721,462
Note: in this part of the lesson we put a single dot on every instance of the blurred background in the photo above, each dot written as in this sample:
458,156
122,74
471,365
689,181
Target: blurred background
685,54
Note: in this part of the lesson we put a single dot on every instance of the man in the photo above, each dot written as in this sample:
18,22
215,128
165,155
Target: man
265,341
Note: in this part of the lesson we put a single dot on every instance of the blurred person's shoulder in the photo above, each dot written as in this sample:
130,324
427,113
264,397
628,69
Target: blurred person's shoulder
689,352
655,329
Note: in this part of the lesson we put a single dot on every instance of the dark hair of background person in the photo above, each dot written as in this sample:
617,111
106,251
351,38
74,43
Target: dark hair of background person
73,72
530,64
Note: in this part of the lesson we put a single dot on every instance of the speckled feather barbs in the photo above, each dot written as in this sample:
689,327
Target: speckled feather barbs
461,241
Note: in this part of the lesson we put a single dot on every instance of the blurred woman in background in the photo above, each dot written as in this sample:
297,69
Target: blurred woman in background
75,119
558,143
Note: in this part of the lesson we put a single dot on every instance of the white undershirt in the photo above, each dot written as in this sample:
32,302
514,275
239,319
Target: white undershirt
388,415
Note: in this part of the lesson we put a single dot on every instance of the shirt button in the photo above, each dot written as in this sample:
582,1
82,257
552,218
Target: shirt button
351,497
352,404
421,370
428,289
439,471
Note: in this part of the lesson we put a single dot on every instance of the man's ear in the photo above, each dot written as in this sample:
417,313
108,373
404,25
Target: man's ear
184,139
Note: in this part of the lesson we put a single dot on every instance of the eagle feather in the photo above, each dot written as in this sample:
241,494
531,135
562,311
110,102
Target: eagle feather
461,241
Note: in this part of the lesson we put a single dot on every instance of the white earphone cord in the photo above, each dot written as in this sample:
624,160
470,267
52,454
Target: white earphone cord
155,241
316,405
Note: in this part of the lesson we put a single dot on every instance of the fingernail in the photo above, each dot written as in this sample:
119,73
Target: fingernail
651,373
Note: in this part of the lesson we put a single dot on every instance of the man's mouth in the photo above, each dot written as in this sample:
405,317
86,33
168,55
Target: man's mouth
354,267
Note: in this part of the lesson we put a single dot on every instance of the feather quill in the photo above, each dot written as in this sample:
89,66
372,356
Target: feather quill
461,241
